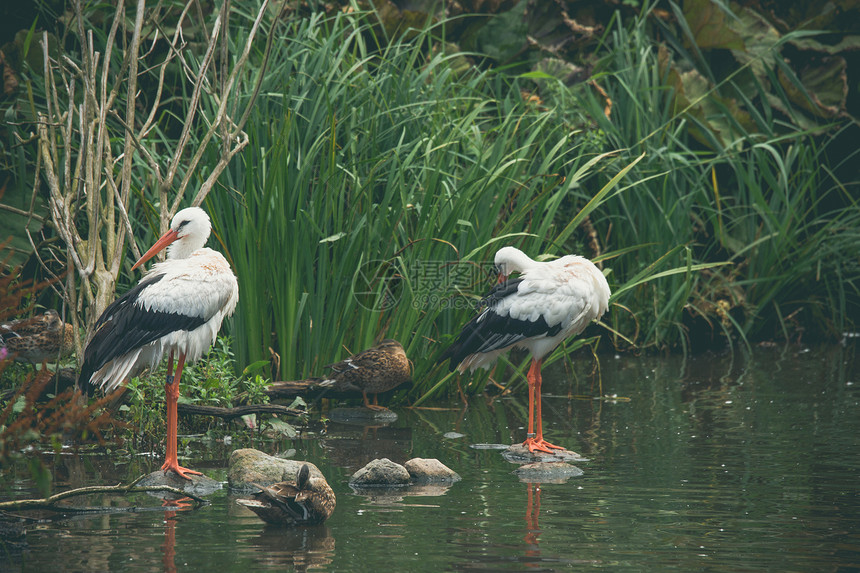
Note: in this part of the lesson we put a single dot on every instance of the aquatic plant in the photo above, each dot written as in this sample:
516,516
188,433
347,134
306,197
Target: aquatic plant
377,185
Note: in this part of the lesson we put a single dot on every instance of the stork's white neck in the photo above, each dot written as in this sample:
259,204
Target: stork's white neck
184,247
512,260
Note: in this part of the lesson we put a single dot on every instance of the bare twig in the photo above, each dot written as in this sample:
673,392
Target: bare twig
90,175
238,411
51,502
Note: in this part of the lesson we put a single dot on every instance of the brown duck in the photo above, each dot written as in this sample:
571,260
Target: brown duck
306,501
42,337
377,369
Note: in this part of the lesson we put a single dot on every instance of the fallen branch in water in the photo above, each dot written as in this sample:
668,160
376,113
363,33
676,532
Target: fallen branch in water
238,411
309,387
288,389
51,502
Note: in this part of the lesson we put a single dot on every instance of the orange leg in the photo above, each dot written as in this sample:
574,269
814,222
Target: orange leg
539,414
375,405
534,441
171,389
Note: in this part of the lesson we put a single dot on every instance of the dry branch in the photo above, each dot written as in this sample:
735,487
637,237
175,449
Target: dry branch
51,503
89,144
238,411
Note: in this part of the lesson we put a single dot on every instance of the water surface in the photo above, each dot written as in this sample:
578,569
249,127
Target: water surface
723,463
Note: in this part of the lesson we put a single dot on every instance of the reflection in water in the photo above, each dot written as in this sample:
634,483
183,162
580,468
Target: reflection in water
532,515
168,559
352,446
719,463
299,548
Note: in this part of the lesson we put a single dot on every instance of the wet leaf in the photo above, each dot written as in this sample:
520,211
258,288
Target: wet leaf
709,24
820,86
281,427
504,36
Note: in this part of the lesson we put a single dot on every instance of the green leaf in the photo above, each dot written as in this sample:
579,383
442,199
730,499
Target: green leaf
537,75
708,24
281,427
19,405
254,367
333,238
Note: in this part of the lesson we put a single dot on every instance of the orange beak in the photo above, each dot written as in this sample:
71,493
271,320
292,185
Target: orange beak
502,278
159,245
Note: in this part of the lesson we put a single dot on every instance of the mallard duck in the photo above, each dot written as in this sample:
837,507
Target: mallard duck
377,369
42,337
306,501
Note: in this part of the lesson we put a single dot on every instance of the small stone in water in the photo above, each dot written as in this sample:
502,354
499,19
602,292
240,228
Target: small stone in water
488,446
547,472
380,472
430,470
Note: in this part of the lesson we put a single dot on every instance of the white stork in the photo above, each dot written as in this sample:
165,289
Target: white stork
536,311
177,307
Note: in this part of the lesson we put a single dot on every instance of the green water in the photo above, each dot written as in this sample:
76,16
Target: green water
717,463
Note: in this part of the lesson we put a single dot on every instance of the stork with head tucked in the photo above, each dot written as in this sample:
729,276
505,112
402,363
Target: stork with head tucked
176,308
536,311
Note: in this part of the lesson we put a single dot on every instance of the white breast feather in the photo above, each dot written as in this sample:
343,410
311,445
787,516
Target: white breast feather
201,286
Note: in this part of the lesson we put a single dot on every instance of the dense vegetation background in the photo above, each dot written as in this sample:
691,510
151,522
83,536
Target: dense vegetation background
362,162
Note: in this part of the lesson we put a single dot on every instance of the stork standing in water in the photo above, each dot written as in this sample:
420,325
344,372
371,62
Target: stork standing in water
545,304
176,308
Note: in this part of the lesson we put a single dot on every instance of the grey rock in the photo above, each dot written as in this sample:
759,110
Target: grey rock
547,472
197,485
249,466
519,454
380,473
430,470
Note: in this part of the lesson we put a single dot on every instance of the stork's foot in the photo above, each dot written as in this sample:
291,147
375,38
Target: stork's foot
173,465
540,445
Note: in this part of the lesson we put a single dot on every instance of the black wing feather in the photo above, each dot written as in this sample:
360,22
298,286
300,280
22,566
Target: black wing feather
492,331
124,326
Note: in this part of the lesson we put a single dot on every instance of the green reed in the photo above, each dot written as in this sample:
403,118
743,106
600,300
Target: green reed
377,185
762,197
381,178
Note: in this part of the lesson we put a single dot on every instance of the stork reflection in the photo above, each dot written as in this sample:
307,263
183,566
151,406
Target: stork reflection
532,537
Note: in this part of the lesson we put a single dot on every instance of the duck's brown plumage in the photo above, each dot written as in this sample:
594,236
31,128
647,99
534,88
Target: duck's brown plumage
377,369
42,337
307,501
